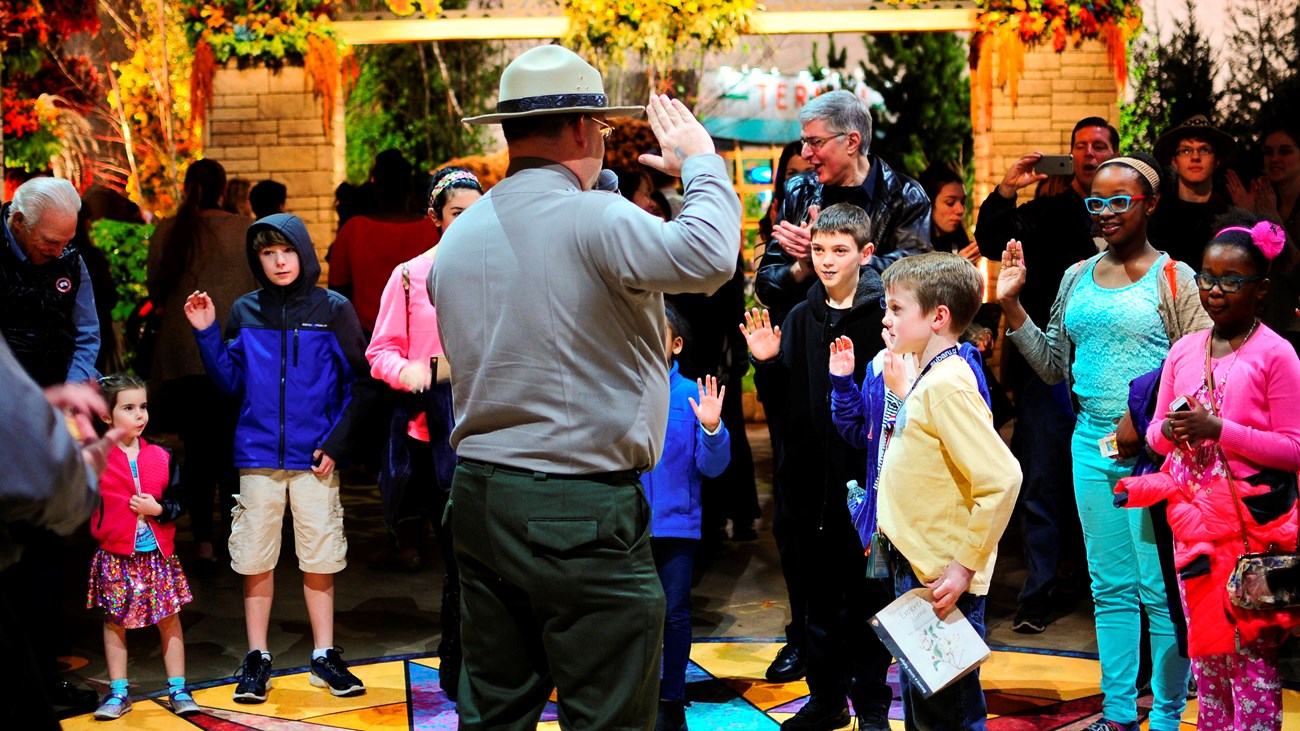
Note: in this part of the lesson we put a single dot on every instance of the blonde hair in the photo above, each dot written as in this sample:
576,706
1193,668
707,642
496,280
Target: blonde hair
939,278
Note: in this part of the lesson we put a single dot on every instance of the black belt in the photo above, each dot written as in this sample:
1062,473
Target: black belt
609,478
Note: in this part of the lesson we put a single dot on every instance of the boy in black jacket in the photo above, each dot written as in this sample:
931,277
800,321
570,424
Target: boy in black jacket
844,655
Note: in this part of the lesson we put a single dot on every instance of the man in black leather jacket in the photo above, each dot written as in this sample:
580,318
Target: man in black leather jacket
836,132
836,135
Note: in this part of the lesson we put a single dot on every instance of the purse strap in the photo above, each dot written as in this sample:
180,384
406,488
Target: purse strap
1223,458
406,290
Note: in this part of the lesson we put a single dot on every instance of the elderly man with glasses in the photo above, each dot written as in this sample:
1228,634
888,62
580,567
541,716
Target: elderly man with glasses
821,567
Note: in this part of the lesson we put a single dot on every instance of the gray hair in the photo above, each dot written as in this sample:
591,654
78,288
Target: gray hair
843,112
38,195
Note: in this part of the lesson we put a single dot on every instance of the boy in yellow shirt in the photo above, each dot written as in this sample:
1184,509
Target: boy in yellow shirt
943,516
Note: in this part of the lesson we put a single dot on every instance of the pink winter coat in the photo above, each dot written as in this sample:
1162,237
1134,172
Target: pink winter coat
113,523
1261,430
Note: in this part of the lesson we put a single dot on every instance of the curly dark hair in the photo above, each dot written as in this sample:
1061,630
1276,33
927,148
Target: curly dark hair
1242,241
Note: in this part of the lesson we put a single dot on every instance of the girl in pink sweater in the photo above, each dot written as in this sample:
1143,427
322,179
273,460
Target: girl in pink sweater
406,354
1241,382
135,577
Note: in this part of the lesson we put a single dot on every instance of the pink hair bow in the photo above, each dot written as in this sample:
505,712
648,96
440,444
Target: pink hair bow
1268,236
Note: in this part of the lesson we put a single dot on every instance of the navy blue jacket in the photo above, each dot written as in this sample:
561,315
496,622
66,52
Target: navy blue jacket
295,354
690,455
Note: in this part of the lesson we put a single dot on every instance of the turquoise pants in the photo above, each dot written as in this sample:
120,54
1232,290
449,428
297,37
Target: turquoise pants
1126,579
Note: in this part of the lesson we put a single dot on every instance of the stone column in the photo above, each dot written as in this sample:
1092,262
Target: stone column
268,124
1056,91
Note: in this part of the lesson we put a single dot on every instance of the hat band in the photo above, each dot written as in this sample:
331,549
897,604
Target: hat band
551,101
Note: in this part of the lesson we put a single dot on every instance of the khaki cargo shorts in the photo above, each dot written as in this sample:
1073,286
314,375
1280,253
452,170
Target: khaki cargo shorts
257,521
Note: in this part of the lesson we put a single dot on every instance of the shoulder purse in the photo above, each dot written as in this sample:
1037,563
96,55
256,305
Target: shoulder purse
1268,580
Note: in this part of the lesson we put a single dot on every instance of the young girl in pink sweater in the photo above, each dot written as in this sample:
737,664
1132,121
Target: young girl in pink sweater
404,353
1241,382
135,577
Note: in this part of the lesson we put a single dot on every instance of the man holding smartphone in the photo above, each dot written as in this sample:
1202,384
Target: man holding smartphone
1056,232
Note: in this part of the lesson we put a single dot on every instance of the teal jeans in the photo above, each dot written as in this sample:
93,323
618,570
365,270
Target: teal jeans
1126,580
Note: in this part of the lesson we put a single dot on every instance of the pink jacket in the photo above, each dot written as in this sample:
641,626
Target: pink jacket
398,340
1261,430
113,523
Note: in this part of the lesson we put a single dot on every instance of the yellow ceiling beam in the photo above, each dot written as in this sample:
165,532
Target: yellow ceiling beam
365,32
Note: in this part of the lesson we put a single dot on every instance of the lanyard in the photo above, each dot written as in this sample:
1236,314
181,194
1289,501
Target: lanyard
890,423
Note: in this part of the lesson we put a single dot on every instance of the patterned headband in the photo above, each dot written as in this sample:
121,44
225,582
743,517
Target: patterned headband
450,178
1142,168
1269,237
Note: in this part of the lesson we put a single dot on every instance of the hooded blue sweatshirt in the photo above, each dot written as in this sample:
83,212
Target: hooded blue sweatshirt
295,355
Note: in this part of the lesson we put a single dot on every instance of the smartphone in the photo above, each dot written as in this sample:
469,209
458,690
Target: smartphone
1055,165
1181,404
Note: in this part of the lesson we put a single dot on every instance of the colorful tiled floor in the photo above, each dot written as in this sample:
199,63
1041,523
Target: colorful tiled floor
1027,691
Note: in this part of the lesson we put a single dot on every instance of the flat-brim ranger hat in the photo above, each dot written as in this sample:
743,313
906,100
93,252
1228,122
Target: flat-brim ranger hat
1225,147
550,80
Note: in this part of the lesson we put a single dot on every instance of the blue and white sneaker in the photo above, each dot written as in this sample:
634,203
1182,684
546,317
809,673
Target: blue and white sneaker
254,678
332,672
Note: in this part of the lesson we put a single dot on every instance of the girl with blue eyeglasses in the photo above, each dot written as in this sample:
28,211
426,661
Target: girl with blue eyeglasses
1114,318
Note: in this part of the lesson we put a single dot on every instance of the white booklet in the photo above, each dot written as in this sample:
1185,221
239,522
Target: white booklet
933,652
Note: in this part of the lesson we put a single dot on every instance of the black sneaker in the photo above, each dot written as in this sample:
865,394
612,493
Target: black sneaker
254,678
331,672
1031,618
818,715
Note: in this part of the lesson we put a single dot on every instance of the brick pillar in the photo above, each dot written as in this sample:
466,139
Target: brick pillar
1056,91
267,124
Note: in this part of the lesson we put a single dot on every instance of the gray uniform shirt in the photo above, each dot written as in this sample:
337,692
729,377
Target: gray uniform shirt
550,309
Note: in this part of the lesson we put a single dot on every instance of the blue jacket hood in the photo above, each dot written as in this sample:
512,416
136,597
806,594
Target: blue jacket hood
296,232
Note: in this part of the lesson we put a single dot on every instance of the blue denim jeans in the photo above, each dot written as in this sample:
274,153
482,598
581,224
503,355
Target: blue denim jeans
1049,522
674,558
960,706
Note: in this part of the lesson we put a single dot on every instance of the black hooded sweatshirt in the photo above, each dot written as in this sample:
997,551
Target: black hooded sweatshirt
815,462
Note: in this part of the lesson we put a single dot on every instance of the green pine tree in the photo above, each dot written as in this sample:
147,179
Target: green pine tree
1171,82
1263,51
402,100
926,115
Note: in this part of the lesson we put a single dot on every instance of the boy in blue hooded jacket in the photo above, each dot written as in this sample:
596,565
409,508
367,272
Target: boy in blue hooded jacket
697,446
295,355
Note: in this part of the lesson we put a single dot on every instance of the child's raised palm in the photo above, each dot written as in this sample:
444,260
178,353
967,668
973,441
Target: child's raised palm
763,339
200,311
709,408
842,356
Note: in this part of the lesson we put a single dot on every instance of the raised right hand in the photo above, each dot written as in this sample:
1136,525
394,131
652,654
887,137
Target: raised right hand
1012,277
679,133
842,356
1021,175
200,311
763,339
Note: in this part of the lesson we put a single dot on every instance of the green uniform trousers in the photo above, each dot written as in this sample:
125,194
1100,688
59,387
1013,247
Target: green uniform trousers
559,591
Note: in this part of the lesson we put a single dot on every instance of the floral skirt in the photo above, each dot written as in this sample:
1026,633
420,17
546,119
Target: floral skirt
137,590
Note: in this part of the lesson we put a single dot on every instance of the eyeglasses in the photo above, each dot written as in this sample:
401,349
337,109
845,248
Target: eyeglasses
816,143
1116,203
1228,285
606,129
1202,151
